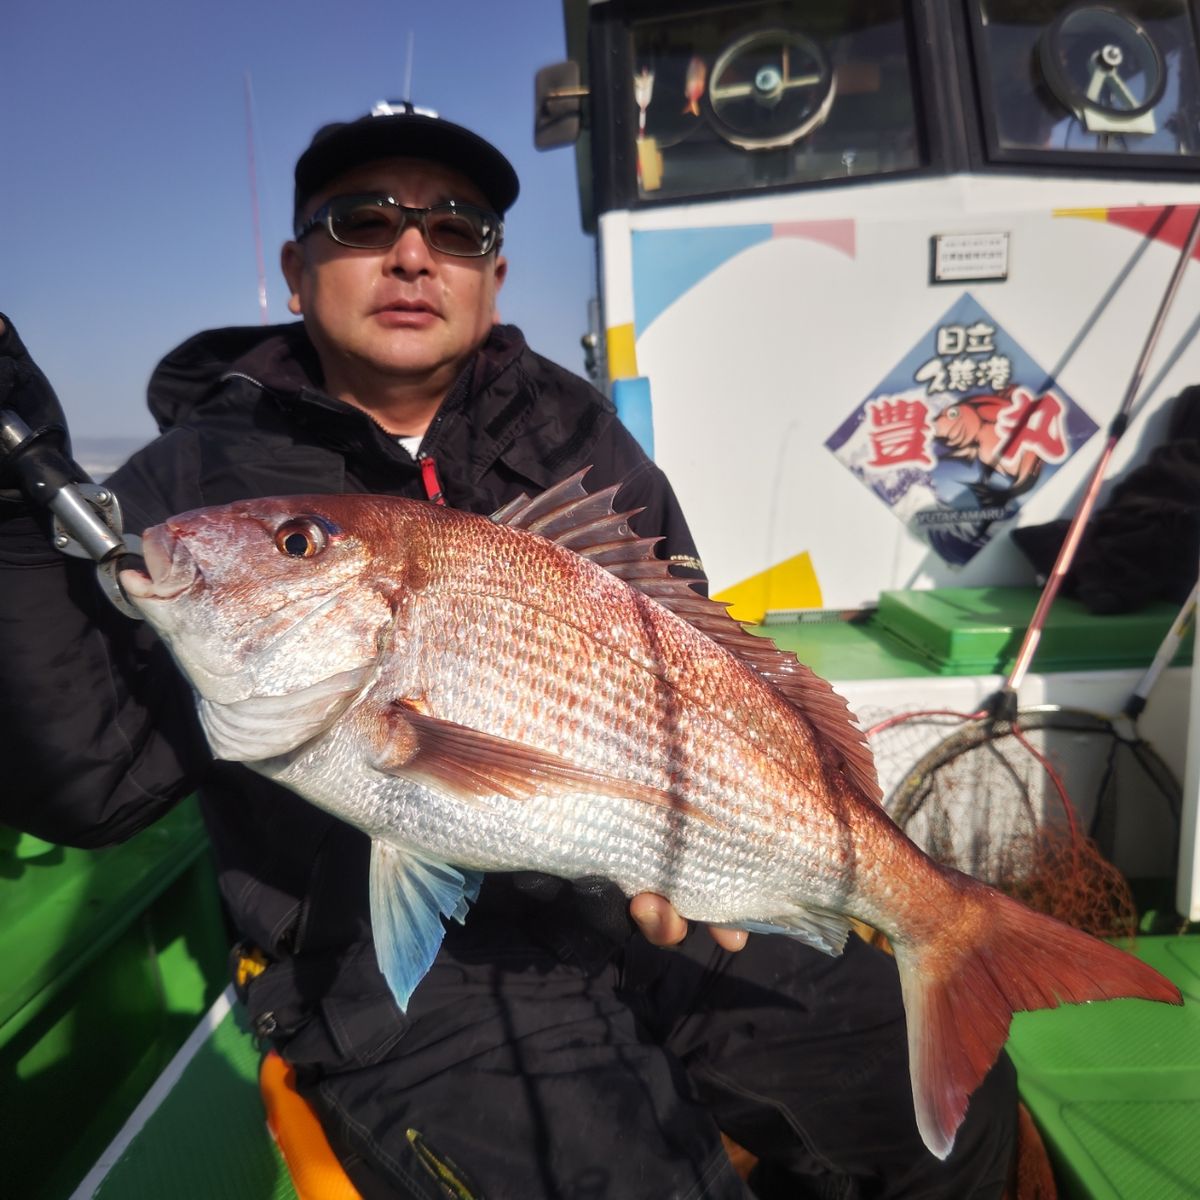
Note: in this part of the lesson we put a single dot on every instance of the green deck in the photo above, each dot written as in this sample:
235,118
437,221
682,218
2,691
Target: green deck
208,1139
110,957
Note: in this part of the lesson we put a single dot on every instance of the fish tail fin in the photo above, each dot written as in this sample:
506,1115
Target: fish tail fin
962,986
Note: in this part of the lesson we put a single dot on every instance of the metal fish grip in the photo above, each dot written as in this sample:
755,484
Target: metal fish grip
86,517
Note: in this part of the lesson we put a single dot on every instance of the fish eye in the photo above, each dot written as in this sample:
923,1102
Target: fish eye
952,412
301,537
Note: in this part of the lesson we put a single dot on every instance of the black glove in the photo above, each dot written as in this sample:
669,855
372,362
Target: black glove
25,391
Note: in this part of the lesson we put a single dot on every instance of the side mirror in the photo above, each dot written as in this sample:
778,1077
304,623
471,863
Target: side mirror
558,105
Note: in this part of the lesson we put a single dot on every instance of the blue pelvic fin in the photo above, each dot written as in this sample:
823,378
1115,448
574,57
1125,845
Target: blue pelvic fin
409,897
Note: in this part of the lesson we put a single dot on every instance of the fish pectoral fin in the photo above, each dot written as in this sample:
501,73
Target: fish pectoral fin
471,764
409,897
820,928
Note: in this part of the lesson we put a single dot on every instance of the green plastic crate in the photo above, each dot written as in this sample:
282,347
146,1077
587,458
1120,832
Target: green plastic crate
1114,1087
977,631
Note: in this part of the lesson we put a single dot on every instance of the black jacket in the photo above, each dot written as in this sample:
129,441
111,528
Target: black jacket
97,727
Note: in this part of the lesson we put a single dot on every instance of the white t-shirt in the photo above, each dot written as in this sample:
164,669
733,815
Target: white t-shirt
412,444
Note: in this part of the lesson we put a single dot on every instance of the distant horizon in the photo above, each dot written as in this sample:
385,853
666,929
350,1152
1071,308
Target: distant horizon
110,439
101,454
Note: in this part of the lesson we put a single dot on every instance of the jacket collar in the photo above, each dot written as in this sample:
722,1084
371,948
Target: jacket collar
281,360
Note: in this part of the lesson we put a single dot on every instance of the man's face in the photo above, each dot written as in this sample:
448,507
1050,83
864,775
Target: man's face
405,314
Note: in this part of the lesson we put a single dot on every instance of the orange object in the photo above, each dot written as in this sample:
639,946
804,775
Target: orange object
314,1168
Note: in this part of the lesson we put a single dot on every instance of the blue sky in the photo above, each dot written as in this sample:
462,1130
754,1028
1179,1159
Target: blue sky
125,213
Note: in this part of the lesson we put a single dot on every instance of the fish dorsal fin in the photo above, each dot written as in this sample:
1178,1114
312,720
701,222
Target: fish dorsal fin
588,524
571,516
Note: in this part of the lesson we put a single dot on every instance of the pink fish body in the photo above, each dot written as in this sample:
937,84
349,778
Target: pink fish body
536,692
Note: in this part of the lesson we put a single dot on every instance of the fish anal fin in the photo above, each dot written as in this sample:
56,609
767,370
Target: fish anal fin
587,524
410,896
472,764
819,928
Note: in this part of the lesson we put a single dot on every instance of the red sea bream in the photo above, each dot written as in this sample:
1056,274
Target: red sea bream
535,691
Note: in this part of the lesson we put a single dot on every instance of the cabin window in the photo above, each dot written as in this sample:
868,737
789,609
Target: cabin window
752,95
1117,82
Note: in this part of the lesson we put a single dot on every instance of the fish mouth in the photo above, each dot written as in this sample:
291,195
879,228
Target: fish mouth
170,568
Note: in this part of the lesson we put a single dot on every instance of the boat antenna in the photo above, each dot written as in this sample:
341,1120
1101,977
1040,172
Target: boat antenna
408,71
254,211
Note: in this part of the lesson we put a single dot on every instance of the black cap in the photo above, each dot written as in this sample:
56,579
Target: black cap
398,130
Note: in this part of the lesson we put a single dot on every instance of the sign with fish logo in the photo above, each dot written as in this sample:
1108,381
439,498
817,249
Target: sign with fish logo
960,431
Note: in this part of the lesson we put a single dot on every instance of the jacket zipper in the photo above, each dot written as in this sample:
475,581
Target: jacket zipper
429,475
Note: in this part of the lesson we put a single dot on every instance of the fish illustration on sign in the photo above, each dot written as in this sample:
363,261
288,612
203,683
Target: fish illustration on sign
538,692
1011,436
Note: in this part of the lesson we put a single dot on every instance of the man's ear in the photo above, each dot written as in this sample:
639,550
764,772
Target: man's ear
291,261
499,274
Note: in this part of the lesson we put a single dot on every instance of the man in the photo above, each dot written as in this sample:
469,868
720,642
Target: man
550,1051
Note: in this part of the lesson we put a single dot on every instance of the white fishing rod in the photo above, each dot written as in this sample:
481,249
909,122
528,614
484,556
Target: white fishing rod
1004,703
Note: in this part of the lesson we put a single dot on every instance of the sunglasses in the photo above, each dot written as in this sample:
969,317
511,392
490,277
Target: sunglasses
373,222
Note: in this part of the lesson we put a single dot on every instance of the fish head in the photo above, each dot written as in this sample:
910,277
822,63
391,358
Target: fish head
272,597
947,424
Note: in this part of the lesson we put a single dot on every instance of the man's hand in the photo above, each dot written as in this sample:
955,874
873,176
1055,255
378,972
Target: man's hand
661,925
25,391
23,387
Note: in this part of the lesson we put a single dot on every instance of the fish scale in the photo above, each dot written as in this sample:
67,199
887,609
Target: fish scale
694,754
537,692
556,703
612,687
472,691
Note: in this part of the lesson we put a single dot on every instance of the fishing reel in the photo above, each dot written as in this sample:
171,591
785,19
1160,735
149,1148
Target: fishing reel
86,517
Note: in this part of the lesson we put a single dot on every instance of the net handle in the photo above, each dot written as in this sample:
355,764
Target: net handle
1166,651
1005,699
